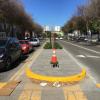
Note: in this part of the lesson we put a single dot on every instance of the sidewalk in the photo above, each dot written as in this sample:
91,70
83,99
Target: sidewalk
67,66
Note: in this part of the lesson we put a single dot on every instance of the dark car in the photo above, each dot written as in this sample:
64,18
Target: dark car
10,51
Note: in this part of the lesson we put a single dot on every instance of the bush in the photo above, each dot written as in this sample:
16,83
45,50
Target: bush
49,46
57,46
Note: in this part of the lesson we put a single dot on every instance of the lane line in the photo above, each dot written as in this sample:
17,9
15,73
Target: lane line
82,47
36,94
30,92
80,65
26,93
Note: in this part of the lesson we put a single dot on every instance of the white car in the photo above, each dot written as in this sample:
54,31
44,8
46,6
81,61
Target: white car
94,40
57,38
35,42
61,38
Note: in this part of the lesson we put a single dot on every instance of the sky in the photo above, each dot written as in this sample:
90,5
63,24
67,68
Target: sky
51,12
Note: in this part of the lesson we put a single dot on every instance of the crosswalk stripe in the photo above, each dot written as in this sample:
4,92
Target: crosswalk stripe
26,93
74,93
36,94
30,92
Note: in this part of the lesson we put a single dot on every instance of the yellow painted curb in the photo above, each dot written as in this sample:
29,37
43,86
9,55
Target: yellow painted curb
2,84
66,79
98,85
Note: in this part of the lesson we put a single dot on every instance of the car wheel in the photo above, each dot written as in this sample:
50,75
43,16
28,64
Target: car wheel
8,63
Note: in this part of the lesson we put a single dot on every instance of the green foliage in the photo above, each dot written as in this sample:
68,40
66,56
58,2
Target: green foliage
13,14
48,34
57,46
95,25
48,45
76,23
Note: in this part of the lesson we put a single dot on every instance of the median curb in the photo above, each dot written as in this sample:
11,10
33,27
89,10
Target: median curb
66,79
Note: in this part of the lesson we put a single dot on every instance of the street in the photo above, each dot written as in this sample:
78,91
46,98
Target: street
72,59
50,50
88,56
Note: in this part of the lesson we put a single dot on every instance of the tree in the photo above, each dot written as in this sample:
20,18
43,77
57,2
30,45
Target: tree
12,13
49,35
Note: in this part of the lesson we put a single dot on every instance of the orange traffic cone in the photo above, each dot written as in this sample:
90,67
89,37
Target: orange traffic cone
54,59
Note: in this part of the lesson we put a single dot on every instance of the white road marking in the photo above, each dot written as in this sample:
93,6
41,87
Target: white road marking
80,65
80,56
87,56
90,56
43,84
82,47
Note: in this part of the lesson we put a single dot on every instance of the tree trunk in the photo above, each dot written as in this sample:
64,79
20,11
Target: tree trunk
50,38
99,35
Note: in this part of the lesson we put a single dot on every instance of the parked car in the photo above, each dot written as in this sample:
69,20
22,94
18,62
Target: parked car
26,47
10,51
57,38
61,38
35,42
31,47
80,39
93,41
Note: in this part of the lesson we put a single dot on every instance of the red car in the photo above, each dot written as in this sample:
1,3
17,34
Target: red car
26,47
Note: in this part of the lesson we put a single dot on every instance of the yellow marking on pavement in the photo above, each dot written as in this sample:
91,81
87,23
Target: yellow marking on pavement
22,69
74,93
81,65
98,85
30,92
8,88
36,94
66,79
71,96
26,93
2,84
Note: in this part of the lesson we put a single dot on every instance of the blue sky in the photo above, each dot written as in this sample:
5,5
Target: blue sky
51,12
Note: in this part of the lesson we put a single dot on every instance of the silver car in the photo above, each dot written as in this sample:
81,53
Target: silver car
35,42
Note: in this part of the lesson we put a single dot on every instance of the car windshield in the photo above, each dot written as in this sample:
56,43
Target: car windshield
2,43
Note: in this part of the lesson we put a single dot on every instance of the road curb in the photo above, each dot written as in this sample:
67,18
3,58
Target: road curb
66,79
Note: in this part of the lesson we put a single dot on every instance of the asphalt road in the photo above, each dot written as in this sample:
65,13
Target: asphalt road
88,56
72,59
